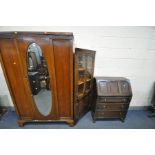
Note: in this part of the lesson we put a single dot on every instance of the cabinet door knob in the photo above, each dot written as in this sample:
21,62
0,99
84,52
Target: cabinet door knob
14,63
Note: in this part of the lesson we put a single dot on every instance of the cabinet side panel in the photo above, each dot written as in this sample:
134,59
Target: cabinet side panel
13,69
63,58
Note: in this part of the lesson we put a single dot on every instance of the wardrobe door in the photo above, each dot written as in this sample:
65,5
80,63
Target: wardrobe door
17,83
36,54
63,58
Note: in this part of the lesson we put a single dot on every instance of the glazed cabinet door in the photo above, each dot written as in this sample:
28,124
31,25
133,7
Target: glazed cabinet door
83,75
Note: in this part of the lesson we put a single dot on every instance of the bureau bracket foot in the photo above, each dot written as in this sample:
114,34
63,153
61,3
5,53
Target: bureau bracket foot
122,120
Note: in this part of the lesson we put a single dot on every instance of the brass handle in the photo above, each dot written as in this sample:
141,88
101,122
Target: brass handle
14,63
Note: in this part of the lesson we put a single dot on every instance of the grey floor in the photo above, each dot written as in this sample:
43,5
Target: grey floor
136,119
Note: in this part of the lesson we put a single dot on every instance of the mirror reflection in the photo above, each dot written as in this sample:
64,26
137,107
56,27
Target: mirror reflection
39,79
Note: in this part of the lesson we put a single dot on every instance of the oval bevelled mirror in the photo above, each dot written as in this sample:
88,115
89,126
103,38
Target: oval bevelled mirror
39,79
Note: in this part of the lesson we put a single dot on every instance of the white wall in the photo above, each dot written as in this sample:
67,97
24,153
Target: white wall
121,51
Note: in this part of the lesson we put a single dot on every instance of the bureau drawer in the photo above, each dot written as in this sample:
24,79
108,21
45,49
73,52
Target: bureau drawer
110,114
111,106
112,99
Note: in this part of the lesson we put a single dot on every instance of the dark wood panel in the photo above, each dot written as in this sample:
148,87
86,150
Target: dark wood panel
63,58
113,99
112,106
110,114
111,86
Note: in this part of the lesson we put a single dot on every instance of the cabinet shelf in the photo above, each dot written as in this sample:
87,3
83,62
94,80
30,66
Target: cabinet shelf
80,95
88,80
80,82
81,69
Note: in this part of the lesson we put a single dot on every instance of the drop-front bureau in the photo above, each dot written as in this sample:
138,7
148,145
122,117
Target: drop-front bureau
112,96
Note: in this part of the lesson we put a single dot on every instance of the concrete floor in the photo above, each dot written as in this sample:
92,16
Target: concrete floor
136,119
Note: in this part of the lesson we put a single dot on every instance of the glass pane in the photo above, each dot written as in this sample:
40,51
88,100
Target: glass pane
80,90
81,68
88,86
89,67
81,62
39,79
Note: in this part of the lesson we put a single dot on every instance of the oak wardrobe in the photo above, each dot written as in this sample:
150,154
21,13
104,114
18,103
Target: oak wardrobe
49,80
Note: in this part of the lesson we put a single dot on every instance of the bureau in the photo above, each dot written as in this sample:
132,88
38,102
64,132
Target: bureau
111,98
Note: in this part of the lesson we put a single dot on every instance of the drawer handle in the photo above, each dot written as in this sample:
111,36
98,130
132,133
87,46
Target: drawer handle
120,113
104,106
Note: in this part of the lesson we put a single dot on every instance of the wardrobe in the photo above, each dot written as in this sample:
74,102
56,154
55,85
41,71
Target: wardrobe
49,80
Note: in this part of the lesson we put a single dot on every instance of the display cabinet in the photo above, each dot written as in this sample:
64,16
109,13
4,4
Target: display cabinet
83,75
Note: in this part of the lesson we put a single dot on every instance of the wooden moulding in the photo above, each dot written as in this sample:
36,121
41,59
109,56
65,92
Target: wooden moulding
22,122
